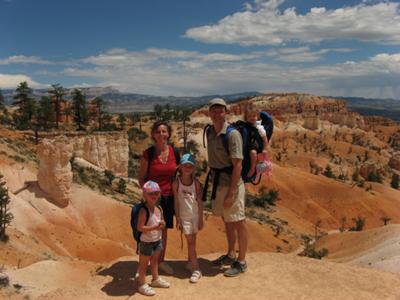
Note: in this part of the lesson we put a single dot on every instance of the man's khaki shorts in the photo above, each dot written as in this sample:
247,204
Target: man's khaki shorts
237,211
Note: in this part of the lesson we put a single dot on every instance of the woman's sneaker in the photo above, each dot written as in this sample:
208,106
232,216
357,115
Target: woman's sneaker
146,290
224,260
166,268
160,283
235,269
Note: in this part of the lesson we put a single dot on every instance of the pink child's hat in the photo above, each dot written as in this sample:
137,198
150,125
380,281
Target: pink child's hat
151,187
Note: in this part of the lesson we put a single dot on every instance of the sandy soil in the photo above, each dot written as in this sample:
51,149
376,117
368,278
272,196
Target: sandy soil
270,276
376,248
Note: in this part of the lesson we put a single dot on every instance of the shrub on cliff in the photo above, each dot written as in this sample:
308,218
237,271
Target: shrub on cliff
395,181
109,176
121,186
5,215
359,224
374,177
328,172
266,197
309,249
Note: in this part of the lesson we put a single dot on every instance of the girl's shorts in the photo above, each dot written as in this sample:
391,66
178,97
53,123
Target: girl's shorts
148,248
190,226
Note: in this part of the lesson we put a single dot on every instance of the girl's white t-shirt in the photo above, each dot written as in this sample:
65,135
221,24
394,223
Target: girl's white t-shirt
188,207
153,235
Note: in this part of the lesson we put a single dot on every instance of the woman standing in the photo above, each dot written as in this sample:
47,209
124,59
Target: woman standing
158,163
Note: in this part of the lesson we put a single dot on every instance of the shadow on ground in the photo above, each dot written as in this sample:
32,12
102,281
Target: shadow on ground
123,275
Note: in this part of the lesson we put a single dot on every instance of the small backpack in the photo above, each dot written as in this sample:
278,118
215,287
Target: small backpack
134,221
250,136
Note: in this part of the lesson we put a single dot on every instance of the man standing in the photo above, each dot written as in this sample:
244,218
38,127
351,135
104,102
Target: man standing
225,155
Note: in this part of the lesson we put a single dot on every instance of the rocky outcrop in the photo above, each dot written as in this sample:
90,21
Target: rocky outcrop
372,121
394,162
310,108
107,151
55,175
311,122
371,167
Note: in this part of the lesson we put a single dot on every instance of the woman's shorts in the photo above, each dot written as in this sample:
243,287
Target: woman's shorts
148,248
167,205
190,226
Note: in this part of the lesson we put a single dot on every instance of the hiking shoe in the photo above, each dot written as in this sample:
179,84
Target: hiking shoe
235,269
195,276
223,260
160,283
166,268
146,290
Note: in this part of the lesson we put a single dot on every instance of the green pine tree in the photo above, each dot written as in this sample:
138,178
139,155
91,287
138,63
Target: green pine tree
109,176
81,116
2,105
121,121
57,93
26,106
328,172
100,105
121,186
5,215
45,113
395,181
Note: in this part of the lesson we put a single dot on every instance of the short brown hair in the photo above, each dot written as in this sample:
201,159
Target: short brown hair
249,108
158,124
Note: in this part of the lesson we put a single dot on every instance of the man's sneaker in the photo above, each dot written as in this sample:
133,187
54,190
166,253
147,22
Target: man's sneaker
223,260
235,269
166,268
146,290
160,283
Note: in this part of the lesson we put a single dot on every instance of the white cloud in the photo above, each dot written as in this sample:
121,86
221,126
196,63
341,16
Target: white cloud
22,59
194,73
263,24
231,57
8,81
301,54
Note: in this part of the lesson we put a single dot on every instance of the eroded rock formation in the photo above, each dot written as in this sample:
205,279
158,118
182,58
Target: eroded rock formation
106,151
55,175
394,162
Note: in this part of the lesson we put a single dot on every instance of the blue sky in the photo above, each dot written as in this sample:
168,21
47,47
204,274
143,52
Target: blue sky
188,47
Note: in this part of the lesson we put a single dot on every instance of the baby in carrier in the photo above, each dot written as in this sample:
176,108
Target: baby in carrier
259,162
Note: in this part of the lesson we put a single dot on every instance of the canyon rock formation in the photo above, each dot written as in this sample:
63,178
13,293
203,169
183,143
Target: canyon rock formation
394,161
108,151
55,175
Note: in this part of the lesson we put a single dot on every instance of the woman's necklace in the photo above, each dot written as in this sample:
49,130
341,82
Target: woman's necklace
164,156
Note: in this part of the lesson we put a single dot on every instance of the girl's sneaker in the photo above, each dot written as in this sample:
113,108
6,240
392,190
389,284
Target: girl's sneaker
160,283
195,276
146,290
